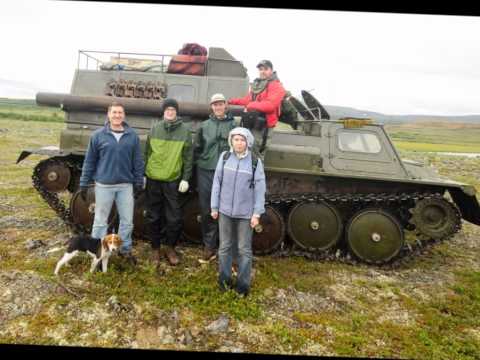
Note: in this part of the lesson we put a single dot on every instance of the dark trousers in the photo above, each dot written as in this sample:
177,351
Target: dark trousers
209,225
258,135
163,215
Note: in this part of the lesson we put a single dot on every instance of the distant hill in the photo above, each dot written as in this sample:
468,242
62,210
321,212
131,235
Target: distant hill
342,111
20,102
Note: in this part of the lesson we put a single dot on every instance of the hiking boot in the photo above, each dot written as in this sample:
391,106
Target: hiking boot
171,255
207,256
242,293
157,255
129,258
226,286
159,269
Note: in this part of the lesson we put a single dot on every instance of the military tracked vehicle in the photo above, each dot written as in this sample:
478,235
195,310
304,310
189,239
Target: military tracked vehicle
334,186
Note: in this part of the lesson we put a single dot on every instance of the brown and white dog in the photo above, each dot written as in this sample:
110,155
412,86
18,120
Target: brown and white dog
99,250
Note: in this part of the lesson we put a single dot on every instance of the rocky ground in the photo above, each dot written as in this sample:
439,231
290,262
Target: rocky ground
427,307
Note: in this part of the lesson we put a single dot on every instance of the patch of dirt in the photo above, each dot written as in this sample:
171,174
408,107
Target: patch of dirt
22,293
291,300
8,234
393,312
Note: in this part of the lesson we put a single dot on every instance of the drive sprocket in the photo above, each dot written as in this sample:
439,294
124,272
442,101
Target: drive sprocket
436,218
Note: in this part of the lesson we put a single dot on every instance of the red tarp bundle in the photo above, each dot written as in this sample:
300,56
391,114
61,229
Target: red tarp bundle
193,49
187,64
191,60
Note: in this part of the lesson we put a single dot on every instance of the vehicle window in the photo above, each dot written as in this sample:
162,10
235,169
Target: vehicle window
358,142
181,92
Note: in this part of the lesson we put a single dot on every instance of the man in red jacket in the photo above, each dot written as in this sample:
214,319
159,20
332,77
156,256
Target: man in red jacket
262,105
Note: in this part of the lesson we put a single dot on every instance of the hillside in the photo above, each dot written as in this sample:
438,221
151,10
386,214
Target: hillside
343,111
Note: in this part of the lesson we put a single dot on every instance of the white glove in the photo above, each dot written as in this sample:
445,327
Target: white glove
183,186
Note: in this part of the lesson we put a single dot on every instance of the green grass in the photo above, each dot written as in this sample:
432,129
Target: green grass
30,112
437,137
429,147
179,291
446,319
441,330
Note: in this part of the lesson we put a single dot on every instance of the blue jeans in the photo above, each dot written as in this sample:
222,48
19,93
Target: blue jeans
235,234
122,194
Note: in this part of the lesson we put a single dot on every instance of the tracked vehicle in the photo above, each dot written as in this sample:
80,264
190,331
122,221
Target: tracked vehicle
333,185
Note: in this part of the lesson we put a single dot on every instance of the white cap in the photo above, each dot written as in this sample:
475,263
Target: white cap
217,97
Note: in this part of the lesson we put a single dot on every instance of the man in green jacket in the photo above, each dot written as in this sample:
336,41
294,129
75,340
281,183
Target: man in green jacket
210,141
168,167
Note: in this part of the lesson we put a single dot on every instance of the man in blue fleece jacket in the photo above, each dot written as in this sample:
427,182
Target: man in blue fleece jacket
114,162
238,200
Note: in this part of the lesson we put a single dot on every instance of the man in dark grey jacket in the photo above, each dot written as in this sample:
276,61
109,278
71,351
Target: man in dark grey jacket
114,162
211,140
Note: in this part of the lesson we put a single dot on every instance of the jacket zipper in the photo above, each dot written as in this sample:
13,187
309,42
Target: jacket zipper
115,150
118,149
219,143
216,138
234,185
117,144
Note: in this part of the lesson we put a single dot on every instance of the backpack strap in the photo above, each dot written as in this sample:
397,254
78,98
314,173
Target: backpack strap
226,155
254,169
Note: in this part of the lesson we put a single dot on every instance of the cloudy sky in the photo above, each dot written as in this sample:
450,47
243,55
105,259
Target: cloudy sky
389,63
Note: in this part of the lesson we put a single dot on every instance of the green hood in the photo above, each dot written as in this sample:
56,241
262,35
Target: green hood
171,126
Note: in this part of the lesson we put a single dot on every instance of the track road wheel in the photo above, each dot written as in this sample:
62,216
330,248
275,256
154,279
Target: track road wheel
192,229
314,226
269,233
374,236
83,212
139,216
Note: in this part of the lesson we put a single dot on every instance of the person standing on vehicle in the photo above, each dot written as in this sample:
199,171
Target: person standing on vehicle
114,162
262,105
168,166
238,200
211,141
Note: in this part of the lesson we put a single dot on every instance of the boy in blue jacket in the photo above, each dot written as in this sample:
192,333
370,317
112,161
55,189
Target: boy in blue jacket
114,162
238,200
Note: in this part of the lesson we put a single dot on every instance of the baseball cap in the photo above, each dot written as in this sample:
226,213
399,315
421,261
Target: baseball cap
217,97
265,63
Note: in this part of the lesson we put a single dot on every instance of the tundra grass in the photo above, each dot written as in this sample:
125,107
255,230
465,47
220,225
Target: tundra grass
436,137
430,147
30,112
